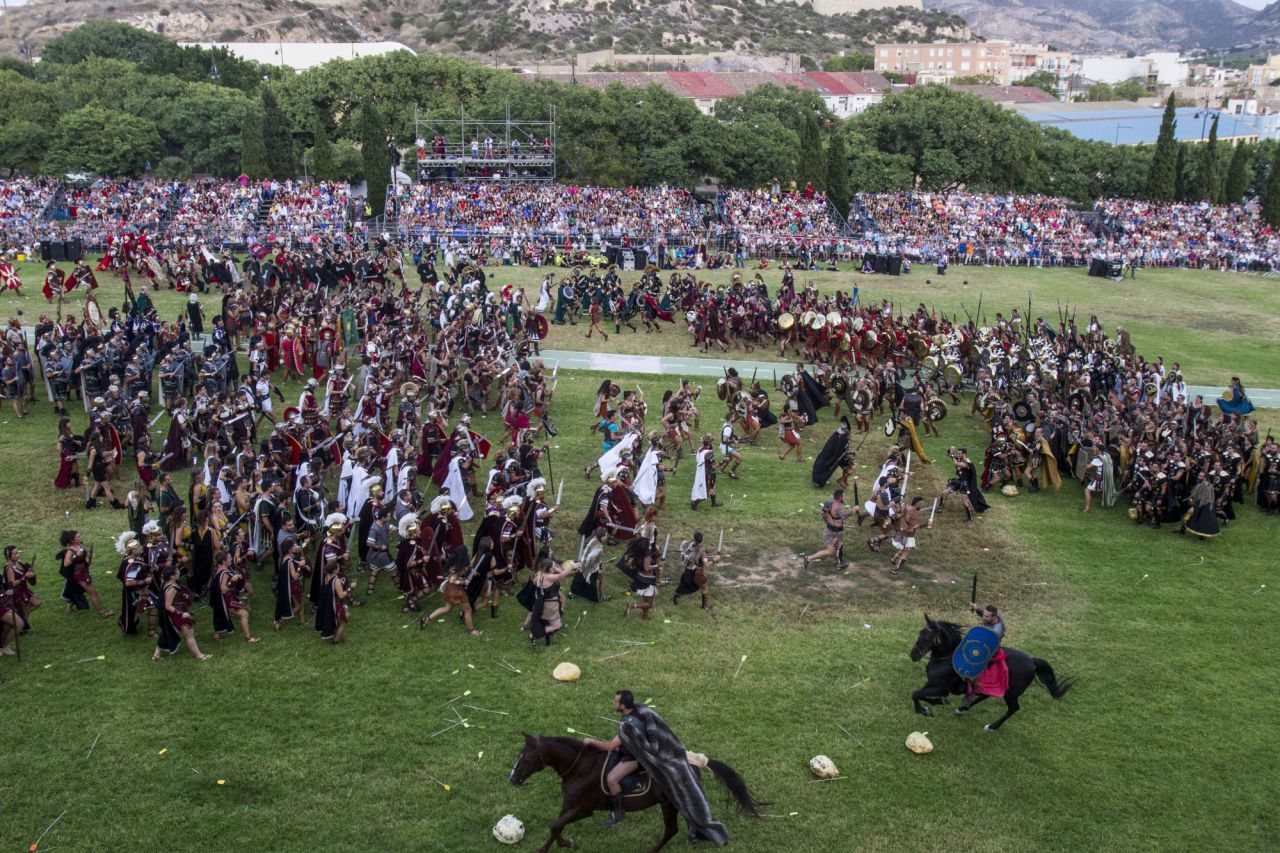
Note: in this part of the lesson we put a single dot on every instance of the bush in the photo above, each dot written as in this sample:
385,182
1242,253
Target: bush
173,169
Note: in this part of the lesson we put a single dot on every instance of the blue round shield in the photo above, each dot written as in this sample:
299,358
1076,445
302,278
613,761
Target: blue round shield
975,650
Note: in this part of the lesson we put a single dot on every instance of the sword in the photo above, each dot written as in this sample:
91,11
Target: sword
159,414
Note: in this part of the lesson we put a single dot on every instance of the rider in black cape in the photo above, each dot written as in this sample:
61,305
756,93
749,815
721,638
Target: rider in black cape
833,453
647,737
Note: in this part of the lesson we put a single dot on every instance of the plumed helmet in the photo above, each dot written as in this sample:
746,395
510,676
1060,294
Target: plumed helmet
1009,490
409,525
537,486
127,543
151,528
442,505
511,505
335,522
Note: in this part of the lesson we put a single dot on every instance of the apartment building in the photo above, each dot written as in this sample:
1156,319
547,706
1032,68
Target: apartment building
941,61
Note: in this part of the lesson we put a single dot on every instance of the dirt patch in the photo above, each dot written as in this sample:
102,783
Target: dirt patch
867,574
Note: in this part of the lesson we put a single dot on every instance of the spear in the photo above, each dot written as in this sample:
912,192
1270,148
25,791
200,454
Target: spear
720,544
665,546
933,511
560,492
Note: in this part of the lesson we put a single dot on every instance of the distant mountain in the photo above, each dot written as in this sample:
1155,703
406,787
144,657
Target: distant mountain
503,31
1140,25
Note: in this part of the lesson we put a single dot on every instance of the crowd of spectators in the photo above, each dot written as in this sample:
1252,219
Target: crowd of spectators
531,222
1189,235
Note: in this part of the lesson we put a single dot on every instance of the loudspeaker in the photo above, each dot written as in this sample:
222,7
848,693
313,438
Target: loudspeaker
46,250
882,264
895,265
75,249
58,250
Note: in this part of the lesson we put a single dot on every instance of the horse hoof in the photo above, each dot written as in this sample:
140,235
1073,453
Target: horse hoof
928,712
989,728
959,712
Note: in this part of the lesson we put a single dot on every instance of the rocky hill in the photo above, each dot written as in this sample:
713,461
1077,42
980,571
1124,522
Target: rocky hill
1109,25
498,30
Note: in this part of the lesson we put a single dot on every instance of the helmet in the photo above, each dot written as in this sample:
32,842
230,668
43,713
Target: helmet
442,505
408,526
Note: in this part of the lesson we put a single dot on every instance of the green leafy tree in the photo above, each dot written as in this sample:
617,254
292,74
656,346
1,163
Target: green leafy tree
837,183
1046,81
1271,200
253,150
277,136
377,160
1162,182
205,125
22,145
98,141
952,138
1237,182
853,61
1207,186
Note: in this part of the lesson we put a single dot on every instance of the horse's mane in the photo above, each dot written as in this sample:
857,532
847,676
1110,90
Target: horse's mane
950,631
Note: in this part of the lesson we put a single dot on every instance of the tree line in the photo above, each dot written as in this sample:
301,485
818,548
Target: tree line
114,100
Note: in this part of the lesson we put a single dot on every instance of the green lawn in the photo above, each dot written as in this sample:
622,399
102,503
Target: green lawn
1167,742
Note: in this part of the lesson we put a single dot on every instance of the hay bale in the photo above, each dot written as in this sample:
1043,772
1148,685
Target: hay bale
566,672
919,743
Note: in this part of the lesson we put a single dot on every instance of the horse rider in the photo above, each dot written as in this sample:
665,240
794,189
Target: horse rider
624,703
992,620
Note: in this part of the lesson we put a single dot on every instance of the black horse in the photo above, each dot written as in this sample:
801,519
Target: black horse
940,640
580,771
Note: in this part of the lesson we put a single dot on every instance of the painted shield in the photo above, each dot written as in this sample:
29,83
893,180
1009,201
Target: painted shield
974,651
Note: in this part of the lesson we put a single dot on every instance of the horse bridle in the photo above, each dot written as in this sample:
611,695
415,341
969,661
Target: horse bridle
582,749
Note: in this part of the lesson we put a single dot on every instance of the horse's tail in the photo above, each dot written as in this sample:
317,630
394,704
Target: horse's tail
729,778
1057,689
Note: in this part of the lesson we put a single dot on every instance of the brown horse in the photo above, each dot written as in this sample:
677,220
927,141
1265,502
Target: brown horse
580,770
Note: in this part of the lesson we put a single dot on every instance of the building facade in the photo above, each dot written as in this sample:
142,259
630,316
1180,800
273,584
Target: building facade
941,61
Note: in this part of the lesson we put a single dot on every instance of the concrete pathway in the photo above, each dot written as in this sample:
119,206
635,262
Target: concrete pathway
1267,398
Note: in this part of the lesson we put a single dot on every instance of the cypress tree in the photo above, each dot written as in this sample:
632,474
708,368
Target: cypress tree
812,168
1182,184
1237,181
838,188
1206,185
253,151
1271,201
377,160
322,165
277,136
1162,180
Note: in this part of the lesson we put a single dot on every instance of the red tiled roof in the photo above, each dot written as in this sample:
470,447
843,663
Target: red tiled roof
1009,94
785,79
701,84
849,82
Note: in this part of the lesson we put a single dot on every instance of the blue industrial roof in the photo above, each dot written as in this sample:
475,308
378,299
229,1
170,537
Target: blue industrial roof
1141,125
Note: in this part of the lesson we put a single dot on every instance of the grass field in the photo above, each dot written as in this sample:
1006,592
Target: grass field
1167,742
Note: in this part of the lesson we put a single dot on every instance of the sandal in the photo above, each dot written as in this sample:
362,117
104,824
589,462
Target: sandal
253,640
476,632
205,657
107,614
155,657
